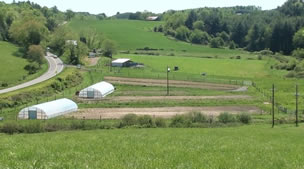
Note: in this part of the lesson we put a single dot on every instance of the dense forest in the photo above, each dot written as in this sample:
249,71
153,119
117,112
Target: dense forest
279,30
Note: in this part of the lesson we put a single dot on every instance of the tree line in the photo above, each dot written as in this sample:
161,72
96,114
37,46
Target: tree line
278,30
35,28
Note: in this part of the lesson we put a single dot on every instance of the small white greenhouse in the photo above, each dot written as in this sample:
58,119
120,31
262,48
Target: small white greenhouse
48,110
97,91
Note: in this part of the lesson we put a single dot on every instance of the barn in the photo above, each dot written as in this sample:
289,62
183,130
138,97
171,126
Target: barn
48,110
97,91
122,63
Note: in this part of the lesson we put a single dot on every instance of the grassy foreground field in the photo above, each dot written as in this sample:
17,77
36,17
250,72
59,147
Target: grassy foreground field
250,147
12,67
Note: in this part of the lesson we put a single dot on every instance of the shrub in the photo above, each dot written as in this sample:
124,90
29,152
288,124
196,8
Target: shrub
210,119
260,57
182,33
32,68
217,42
238,57
291,75
197,117
77,125
129,120
266,52
180,121
160,122
32,127
245,118
10,128
298,53
232,45
146,121
4,84
226,118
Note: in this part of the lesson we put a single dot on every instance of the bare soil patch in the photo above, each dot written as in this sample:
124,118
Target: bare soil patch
92,61
157,98
174,83
164,112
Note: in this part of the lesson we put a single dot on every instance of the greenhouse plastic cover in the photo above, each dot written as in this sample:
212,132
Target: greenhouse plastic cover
104,87
57,107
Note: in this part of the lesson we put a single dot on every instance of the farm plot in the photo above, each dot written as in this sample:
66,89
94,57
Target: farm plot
164,112
174,83
157,98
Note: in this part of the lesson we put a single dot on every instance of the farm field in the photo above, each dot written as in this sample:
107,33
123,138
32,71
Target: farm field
190,60
252,147
13,71
131,35
163,112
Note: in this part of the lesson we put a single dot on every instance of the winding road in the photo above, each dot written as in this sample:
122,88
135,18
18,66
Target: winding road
55,66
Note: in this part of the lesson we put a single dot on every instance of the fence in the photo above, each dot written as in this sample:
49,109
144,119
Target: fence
280,107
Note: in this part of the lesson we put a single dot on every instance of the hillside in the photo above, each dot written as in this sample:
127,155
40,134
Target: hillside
12,66
132,35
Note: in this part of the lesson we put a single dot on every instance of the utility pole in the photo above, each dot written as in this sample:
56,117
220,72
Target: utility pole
297,110
273,106
168,70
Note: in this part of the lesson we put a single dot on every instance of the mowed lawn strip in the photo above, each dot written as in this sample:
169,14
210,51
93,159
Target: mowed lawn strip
250,147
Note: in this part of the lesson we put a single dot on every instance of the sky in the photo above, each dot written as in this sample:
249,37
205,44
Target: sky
111,7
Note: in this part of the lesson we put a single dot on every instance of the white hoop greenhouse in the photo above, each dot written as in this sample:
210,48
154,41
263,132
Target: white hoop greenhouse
97,91
48,110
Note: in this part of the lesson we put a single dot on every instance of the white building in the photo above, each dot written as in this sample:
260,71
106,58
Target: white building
152,18
97,91
48,110
122,62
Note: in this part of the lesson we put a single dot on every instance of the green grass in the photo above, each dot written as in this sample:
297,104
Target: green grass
228,68
251,147
12,67
131,35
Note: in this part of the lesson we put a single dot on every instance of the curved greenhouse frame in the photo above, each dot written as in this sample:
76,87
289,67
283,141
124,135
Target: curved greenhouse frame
97,91
48,110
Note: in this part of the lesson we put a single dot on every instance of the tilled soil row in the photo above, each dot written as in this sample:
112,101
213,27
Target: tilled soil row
174,83
163,112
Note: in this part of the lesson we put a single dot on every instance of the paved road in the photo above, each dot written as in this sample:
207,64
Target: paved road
55,66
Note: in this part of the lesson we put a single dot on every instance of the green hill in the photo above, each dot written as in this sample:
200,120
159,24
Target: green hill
12,67
132,35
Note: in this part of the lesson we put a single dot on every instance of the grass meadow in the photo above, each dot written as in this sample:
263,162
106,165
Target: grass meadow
12,66
131,35
251,147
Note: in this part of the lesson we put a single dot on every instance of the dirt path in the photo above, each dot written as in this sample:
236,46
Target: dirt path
174,83
164,112
157,98
92,61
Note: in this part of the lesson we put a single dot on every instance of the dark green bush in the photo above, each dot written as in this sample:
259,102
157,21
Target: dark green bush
146,121
32,127
10,128
78,125
197,117
226,118
291,74
129,120
180,121
160,122
245,118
